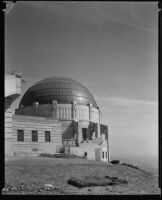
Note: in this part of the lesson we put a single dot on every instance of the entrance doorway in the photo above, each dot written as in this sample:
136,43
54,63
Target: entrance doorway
84,133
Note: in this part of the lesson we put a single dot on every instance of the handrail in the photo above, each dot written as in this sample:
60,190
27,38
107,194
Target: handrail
69,139
69,142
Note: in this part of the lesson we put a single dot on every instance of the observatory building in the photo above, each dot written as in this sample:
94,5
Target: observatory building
59,112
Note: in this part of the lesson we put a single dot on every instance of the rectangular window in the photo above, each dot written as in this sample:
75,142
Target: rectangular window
103,154
34,136
20,135
47,136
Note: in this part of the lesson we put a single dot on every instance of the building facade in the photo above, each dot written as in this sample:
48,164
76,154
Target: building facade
58,112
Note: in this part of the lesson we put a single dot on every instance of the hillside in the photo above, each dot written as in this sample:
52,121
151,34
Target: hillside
147,163
27,175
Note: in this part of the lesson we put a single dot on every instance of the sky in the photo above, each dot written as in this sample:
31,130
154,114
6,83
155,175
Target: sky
110,47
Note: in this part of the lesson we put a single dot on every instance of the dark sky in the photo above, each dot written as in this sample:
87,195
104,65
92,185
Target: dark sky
111,48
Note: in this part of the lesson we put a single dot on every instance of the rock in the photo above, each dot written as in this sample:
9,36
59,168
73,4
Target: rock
5,190
49,186
89,181
116,180
116,162
112,178
124,181
13,188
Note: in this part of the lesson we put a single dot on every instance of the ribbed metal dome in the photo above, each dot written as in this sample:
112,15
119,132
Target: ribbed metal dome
62,89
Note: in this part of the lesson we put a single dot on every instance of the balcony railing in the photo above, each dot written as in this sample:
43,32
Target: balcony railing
69,142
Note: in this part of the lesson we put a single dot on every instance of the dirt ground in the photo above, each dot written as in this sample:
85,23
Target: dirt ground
27,175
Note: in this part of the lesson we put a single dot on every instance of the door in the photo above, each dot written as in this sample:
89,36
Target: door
84,133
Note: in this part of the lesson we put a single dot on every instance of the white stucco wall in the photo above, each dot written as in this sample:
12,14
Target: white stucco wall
12,85
12,91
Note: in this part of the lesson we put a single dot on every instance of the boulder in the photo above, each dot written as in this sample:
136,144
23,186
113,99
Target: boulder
116,180
115,162
48,186
88,181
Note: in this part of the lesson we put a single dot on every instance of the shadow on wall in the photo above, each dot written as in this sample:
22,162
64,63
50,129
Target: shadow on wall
9,100
68,130
104,130
92,129
40,111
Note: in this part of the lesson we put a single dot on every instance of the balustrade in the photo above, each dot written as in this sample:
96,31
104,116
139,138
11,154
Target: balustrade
69,142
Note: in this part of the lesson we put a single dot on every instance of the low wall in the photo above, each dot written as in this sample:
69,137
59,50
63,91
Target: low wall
94,151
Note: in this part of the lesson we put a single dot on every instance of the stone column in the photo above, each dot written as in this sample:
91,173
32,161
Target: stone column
93,135
76,127
99,135
73,110
99,115
90,112
35,108
79,133
54,109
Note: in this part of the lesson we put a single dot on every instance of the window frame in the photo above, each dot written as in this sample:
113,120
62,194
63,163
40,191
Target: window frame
47,137
20,138
33,140
103,154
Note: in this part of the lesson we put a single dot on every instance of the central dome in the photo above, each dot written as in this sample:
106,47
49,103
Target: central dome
62,89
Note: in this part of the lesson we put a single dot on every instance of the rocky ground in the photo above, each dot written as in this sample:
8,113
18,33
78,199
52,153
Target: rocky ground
41,175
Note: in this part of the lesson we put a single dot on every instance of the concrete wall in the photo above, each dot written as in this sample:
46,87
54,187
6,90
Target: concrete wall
105,152
64,111
84,147
12,85
94,151
82,124
94,115
28,123
44,110
12,91
86,124
98,154
81,112
8,131
67,129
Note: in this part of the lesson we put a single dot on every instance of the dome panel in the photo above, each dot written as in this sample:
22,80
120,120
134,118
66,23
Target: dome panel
64,90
